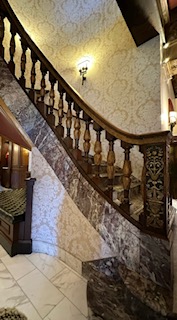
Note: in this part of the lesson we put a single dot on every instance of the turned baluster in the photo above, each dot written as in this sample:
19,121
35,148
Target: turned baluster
97,150
33,76
77,132
59,127
22,79
2,16
50,115
127,171
110,164
68,140
12,50
40,103
87,163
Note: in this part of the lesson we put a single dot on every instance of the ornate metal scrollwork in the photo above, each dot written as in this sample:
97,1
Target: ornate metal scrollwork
155,186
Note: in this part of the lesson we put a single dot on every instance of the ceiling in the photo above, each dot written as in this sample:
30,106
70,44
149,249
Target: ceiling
148,18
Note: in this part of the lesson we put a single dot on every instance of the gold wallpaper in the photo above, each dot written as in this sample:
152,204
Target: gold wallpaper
123,82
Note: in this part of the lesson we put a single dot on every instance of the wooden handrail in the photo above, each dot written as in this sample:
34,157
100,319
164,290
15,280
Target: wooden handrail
136,139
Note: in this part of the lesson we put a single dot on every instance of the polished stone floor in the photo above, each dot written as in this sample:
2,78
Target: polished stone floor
42,287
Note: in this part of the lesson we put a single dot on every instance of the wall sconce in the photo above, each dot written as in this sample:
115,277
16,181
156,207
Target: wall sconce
83,67
172,118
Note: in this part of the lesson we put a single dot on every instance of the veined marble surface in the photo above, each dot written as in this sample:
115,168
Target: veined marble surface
130,245
114,292
42,287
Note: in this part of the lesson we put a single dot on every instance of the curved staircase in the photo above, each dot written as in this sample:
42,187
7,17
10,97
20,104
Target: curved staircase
133,216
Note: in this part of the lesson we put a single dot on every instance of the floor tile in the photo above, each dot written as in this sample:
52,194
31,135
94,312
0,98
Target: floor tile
3,253
73,287
40,291
18,266
11,294
65,310
48,265
29,311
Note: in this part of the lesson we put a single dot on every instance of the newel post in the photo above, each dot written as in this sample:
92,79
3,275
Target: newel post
155,187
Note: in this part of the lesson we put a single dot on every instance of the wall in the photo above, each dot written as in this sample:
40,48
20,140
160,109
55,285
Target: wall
58,226
123,83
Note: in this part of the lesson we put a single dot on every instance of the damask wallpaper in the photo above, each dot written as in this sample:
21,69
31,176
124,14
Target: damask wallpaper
57,221
123,82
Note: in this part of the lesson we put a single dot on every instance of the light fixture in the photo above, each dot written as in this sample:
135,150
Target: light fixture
83,67
166,60
166,45
172,118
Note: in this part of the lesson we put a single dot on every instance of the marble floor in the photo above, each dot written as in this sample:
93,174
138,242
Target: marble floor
42,287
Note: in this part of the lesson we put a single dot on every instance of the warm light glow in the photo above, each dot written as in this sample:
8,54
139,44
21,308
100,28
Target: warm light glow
164,118
85,61
173,116
166,45
16,147
166,60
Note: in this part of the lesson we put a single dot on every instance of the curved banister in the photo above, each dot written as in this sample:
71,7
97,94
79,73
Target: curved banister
138,139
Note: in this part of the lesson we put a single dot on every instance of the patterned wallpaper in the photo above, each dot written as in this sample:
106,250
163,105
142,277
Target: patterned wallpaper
123,83
57,221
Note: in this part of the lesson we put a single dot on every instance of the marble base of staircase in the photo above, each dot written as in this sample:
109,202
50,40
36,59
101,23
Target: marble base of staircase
114,292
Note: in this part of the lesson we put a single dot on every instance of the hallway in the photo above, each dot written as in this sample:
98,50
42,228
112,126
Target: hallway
42,287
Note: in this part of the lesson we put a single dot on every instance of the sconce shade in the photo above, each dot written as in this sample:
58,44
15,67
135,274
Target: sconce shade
173,116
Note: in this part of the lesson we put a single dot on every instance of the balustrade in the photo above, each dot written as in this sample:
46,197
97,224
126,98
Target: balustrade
154,184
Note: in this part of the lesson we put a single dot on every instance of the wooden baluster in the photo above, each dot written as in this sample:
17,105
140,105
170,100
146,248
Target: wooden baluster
59,127
2,16
33,77
12,50
22,79
97,150
77,132
50,116
87,138
68,140
87,163
110,164
40,103
127,171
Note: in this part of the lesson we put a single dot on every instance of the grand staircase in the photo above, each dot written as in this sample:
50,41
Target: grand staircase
134,216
